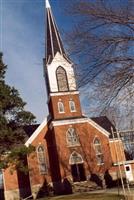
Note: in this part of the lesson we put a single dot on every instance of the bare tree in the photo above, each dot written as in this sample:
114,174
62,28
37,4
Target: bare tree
102,40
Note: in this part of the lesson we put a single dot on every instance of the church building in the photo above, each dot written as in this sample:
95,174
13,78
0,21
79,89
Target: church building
70,148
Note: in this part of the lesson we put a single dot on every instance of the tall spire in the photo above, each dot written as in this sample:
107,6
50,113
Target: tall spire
53,39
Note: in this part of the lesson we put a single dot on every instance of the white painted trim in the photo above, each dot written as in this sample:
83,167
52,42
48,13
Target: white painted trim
78,121
101,164
69,121
72,102
124,162
36,132
82,161
115,140
47,4
40,162
75,135
61,107
63,93
98,127
98,153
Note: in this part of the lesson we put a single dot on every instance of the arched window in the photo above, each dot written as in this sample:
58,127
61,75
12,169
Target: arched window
62,79
60,107
41,160
71,137
98,151
75,158
72,106
77,167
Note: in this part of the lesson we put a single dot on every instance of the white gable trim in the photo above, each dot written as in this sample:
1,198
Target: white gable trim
98,127
67,122
63,93
79,121
36,133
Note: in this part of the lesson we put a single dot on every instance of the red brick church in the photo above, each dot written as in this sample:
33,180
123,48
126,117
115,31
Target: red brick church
70,148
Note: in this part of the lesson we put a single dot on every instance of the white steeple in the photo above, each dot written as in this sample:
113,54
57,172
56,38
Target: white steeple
47,4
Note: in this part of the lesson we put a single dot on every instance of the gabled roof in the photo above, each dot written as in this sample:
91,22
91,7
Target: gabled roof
102,123
53,39
29,129
105,123
36,132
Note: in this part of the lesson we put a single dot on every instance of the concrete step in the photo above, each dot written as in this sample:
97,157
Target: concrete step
84,186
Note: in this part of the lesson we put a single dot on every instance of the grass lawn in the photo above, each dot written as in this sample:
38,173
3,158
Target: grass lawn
86,196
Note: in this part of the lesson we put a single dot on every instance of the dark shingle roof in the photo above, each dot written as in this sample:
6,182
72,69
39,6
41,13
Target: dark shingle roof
105,123
29,129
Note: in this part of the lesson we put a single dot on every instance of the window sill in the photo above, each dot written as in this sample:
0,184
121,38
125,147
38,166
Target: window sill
73,145
43,173
100,164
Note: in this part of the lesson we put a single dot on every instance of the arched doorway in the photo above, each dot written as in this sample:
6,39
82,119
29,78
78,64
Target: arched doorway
77,167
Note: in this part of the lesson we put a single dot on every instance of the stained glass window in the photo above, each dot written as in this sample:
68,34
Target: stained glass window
72,138
41,160
62,79
98,151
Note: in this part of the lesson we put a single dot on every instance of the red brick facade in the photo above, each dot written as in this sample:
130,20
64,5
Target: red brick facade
53,137
68,146
53,106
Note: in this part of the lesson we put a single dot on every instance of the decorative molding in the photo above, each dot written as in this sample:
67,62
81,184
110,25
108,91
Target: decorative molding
79,121
36,132
126,162
75,162
63,93
115,140
68,121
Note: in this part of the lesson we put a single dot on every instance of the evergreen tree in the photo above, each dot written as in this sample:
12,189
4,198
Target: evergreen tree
13,116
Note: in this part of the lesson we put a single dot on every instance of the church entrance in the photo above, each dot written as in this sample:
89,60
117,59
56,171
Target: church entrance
77,167
78,172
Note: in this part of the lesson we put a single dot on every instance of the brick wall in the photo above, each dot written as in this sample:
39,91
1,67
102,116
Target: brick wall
86,134
53,106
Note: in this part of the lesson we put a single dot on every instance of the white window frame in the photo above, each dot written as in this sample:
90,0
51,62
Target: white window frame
62,88
73,105
72,140
97,153
77,161
61,107
41,160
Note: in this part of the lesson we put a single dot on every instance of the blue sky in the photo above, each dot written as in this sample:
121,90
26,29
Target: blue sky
22,39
